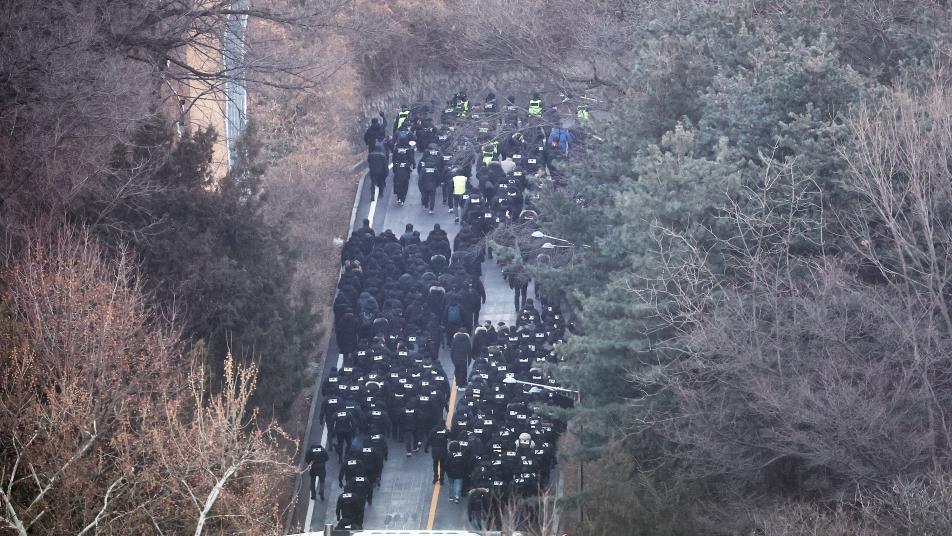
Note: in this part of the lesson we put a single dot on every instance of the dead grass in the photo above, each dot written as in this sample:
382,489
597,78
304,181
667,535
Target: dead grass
309,184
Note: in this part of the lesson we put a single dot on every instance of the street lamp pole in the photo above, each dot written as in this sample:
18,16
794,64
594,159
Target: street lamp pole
550,245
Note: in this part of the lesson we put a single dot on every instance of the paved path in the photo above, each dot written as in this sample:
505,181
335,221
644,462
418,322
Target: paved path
407,498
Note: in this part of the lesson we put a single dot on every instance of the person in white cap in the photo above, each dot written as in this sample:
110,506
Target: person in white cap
525,441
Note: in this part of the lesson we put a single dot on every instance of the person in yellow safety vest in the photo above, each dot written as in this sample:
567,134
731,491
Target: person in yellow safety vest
581,111
535,106
402,118
489,151
459,189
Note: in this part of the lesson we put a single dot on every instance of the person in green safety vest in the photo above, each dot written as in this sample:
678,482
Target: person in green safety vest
535,106
581,111
402,118
459,189
489,151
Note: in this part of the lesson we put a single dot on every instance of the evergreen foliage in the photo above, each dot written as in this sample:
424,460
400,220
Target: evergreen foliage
207,254
721,219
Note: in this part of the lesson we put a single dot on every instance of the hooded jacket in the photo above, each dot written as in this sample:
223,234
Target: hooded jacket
369,308
460,349
346,331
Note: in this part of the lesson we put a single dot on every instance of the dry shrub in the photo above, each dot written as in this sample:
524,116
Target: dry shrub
102,429
919,506
620,499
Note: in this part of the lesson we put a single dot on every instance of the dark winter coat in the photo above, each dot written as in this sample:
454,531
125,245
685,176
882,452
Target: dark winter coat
429,179
456,465
460,349
374,133
369,308
377,162
436,299
316,460
346,330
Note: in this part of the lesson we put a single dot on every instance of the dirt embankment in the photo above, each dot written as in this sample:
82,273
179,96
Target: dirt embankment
309,183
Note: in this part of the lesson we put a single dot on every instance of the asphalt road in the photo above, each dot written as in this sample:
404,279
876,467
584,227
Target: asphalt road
407,498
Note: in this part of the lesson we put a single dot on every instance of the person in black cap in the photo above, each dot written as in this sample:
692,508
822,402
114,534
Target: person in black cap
350,510
316,460
437,441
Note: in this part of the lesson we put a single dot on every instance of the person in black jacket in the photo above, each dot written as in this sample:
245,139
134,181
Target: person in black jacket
401,180
378,442
410,426
437,441
478,507
519,282
346,330
456,469
428,180
316,460
373,463
404,149
344,430
460,349
378,161
375,132
350,510
350,469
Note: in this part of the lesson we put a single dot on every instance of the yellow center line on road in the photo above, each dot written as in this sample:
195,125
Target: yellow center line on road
435,499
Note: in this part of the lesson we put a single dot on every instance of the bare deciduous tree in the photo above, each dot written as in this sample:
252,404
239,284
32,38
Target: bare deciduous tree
80,77
792,371
101,433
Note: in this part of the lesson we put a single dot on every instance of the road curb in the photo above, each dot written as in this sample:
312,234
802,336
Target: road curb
293,514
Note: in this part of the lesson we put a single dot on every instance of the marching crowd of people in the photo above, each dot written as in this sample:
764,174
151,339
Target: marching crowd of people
480,163
401,299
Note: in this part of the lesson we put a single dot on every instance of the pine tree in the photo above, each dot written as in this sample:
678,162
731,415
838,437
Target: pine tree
208,255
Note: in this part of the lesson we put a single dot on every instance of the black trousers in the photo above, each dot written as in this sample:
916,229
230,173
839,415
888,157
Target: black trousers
459,371
400,188
447,189
522,292
374,477
428,198
344,440
411,437
331,433
355,517
377,183
317,480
